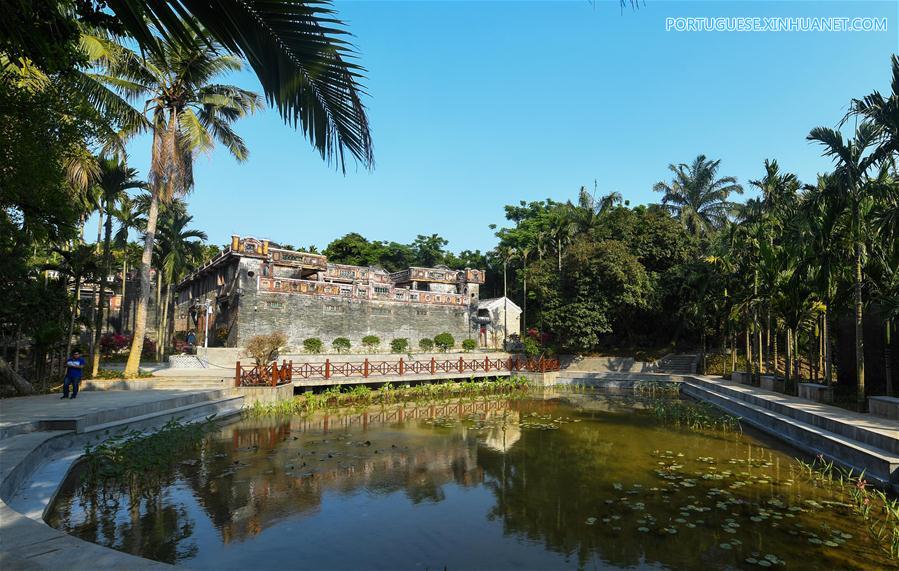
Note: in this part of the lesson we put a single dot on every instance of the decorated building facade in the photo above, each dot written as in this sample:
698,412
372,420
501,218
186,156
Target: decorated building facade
255,287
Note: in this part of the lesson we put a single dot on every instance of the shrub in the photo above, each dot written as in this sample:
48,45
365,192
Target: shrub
426,344
264,348
313,345
113,343
445,341
469,345
400,345
531,346
341,344
371,342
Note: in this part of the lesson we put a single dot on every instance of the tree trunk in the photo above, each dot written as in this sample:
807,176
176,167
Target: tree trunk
788,370
15,379
122,305
158,312
774,348
140,315
768,342
559,252
73,316
859,334
163,334
887,357
524,321
98,321
733,353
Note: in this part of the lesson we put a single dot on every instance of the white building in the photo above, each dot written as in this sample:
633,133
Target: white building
497,318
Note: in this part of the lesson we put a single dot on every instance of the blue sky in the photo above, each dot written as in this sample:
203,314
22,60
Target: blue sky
475,105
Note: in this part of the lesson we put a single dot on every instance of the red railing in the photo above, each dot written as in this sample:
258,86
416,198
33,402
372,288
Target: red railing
274,374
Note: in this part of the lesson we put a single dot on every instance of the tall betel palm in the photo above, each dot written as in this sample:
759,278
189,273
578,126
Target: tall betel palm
187,112
114,182
130,218
696,197
853,163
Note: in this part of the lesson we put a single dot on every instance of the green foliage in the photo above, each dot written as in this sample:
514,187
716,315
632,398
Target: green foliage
360,395
426,344
371,342
399,345
341,344
137,461
424,251
695,416
264,348
313,345
531,346
469,345
444,341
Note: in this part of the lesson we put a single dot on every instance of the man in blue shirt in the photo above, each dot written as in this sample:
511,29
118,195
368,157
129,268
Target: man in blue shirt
74,368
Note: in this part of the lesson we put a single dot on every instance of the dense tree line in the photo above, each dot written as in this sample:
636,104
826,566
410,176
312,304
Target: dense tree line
784,281
424,251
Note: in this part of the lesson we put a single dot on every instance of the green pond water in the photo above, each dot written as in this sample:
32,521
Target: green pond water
556,480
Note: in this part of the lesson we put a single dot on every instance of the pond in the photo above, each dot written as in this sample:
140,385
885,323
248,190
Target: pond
552,480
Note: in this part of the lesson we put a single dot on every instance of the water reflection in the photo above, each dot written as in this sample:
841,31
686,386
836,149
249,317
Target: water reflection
559,479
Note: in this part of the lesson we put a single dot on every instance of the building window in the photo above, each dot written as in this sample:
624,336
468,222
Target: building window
381,289
275,305
333,308
421,312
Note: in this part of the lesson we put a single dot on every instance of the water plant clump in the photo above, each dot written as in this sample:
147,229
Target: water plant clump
696,416
879,511
360,395
657,388
137,461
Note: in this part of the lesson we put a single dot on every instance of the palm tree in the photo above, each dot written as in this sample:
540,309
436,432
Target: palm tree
883,114
115,180
853,162
298,50
74,266
187,112
696,197
130,218
178,250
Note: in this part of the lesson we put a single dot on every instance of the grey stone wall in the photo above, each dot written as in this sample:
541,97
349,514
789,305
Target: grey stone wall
302,316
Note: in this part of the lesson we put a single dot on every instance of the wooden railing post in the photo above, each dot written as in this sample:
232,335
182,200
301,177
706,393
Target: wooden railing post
290,370
486,364
365,368
402,367
274,374
327,369
433,366
542,365
237,375
461,363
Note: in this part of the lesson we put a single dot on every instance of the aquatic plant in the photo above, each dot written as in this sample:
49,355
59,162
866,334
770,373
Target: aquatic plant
138,460
656,388
696,416
878,510
361,395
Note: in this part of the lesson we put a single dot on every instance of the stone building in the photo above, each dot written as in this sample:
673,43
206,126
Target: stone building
254,287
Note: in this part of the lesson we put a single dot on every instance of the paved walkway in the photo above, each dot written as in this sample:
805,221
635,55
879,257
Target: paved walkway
25,444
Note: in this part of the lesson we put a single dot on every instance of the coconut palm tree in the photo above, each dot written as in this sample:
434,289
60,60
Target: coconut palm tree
187,112
853,163
114,182
697,197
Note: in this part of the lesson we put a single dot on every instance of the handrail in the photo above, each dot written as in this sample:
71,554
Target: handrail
274,375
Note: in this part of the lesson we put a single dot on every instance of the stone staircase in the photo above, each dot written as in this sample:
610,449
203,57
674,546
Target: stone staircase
679,364
856,441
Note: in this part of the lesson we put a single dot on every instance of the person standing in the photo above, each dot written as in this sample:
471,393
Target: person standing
74,368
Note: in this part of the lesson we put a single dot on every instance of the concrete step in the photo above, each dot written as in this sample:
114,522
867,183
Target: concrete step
91,420
878,464
862,428
220,407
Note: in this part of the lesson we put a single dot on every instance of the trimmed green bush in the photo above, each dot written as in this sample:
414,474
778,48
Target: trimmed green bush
400,345
371,342
426,344
469,345
313,345
341,344
445,341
